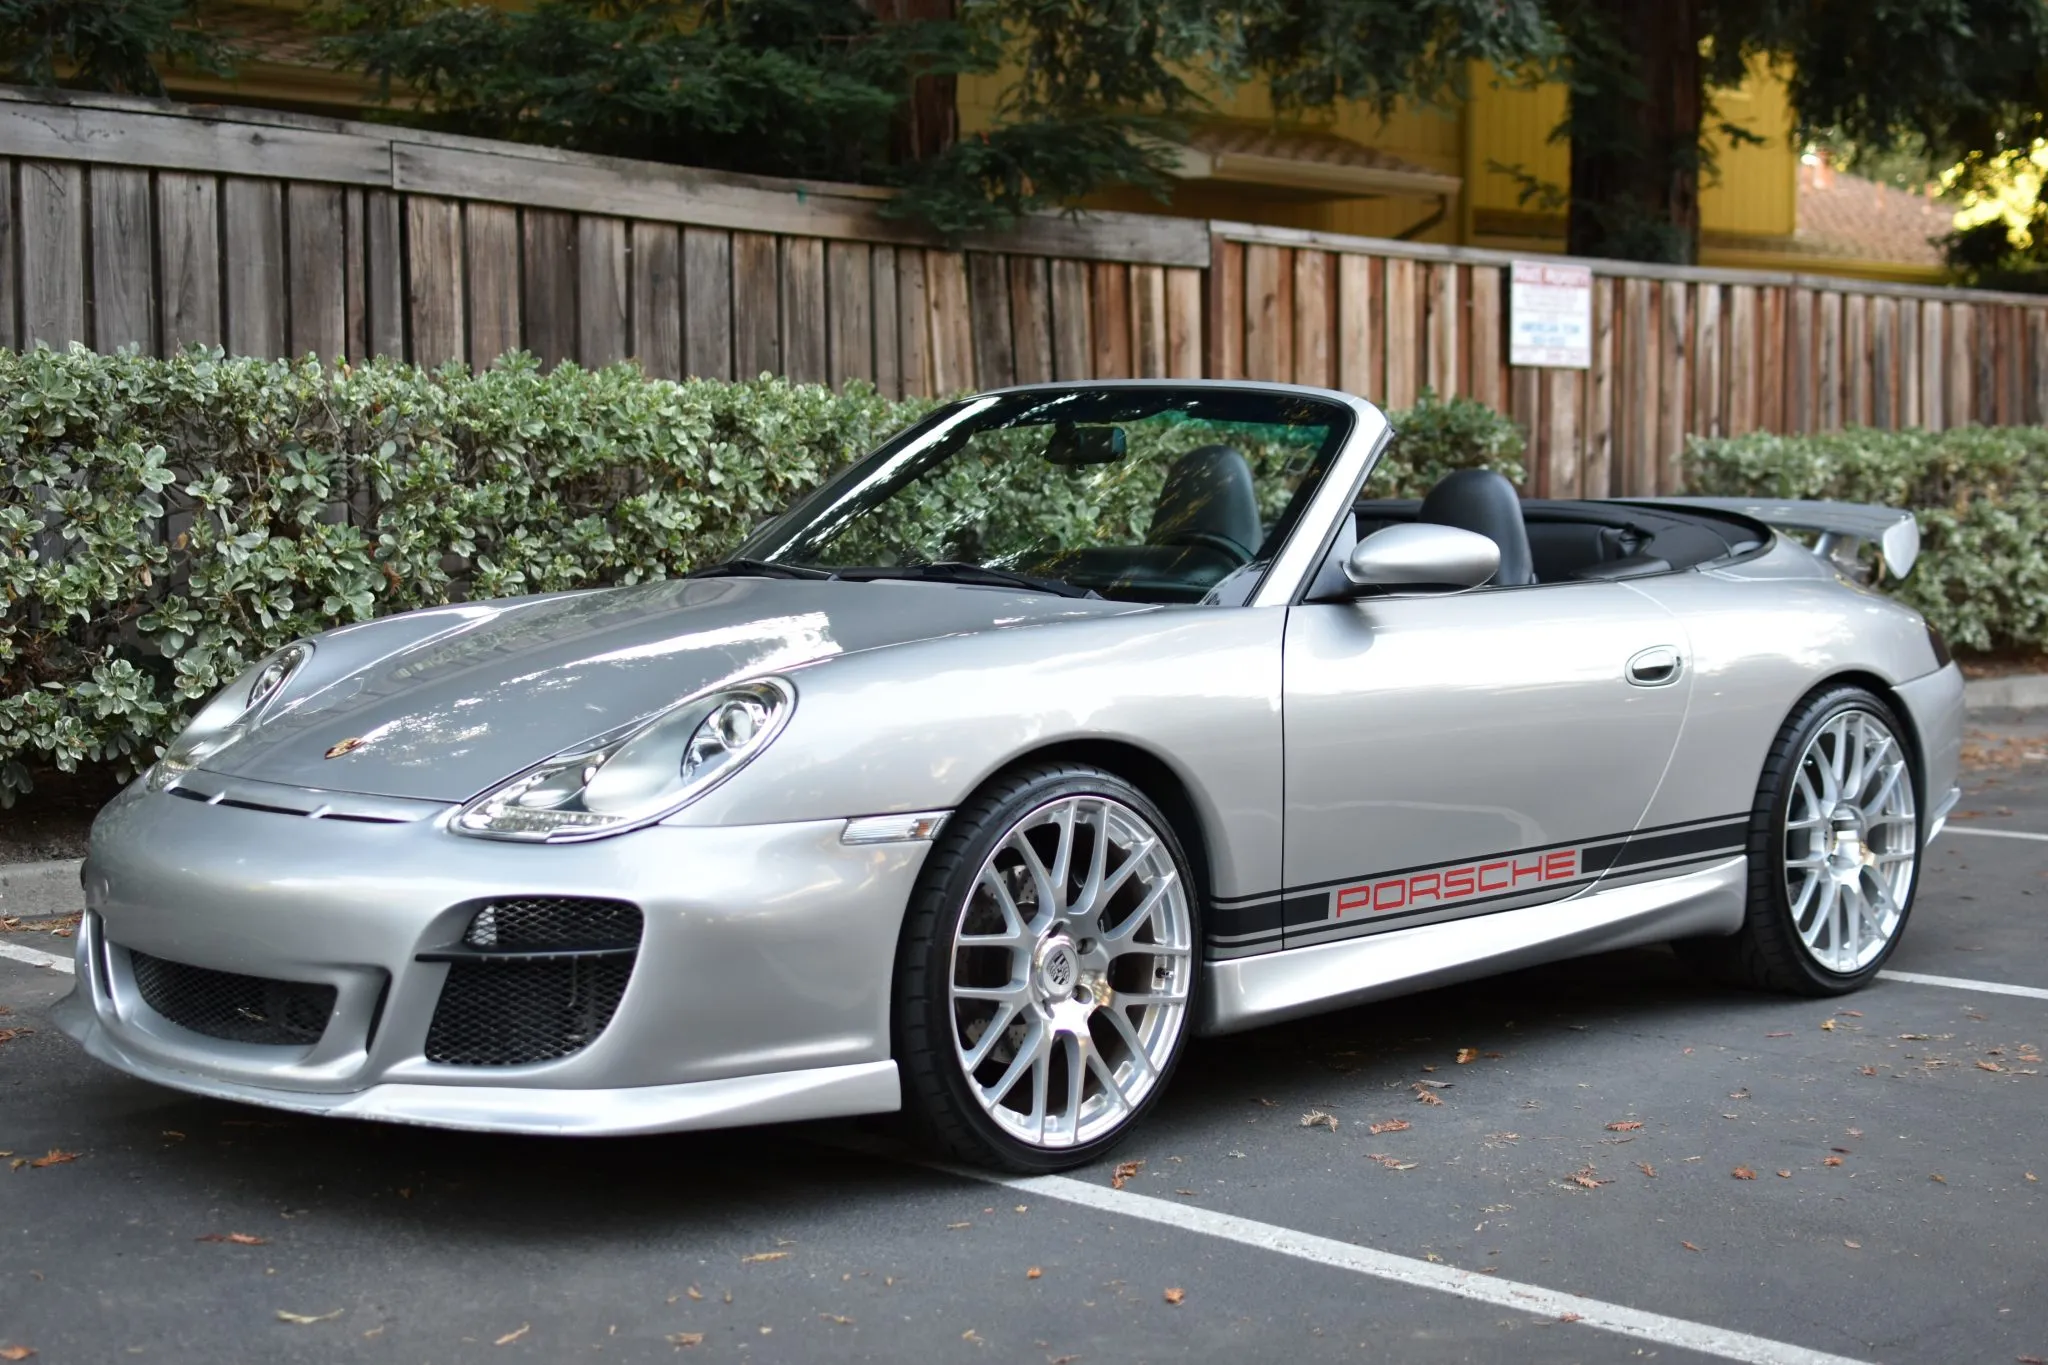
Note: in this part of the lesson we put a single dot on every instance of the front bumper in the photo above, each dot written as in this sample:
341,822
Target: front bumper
760,990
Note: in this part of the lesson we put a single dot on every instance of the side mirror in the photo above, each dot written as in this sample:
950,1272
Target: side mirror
1421,557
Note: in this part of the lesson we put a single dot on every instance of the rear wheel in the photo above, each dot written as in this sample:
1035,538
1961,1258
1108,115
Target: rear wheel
1834,850
1046,976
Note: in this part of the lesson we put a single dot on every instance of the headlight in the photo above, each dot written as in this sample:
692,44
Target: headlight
234,711
638,778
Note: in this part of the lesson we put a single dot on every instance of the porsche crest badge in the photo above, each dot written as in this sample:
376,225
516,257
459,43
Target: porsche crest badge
347,746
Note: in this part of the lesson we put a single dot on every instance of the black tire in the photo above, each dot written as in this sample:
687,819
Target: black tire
939,1110
1767,953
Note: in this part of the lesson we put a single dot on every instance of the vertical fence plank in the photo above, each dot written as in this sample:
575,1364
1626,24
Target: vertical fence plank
188,246
10,294
1314,352
1673,382
1799,395
914,322
52,231
601,307
490,232
1856,359
1770,345
384,273
1639,387
1441,329
1909,362
1111,323
1486,337
850,302
1354,325
317,258
888,341
803,309
2037,364
1742,359
1933,374
1596,463
2011,352
1833,383
1184,322
1962,337
1400,333
1148,321
1884,327
952,323
708,331
1266,352
657,251
123,283
1563,440
1073,340
1709,416
253,247
1226,309
756,305
355,317
988,301
548,283
433,238
1031,318
1525,409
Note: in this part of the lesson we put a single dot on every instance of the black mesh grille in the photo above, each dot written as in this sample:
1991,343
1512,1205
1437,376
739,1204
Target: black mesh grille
554,923
509,1013
232,1007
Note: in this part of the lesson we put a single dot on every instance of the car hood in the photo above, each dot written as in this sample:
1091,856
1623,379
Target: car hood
444,704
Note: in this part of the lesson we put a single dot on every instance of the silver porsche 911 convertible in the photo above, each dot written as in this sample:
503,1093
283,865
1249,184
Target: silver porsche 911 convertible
1075,720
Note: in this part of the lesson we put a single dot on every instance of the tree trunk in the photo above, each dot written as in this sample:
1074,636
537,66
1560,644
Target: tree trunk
931,120
1635,110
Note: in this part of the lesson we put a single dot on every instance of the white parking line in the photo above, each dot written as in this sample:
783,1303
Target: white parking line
1963,983
1383,1265
35,957
1954,828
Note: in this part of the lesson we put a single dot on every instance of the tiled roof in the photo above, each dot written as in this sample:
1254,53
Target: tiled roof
1848,216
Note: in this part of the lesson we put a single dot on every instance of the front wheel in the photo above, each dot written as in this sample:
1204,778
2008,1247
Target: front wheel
1834,850
1047,972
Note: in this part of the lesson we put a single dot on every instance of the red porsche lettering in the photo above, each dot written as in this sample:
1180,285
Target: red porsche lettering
1449,885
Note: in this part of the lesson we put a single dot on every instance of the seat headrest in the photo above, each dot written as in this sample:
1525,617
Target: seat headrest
1484,502
1209,499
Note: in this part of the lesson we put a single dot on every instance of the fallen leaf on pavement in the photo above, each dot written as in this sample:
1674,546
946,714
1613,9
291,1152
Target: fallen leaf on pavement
2031,1176
950,1227
1175,1296
1784,1175
1392,1163
1783,1033
783,1255
1033,1273
1569,1317
1743,1173
694,1292
1433,1085
1388,1126
513,1336
8,1035
54,1157
971,1335
838,1318
306,1319
1625,1126
1831,1161
1428,1097
1586,1178
1853,1014
681,1339
1467,1054
1647,1169
1853,1246
16,1352
240,1239
1938,1178
1125,1170
1989,1066
1828,1024
1316,1118
1870,1071
1688,1246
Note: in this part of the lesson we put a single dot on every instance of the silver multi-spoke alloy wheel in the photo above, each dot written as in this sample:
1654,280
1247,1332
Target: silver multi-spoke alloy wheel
1071,971
1851,841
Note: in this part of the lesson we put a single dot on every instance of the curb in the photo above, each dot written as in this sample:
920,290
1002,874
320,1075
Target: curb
31,890
2021,692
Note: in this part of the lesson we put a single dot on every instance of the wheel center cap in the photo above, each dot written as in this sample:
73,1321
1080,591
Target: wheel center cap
1847,849
1059,969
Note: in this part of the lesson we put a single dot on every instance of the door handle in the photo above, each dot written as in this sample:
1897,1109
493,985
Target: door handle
1657,666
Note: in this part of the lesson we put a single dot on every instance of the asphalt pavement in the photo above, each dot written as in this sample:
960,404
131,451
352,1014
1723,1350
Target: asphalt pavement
1714,1175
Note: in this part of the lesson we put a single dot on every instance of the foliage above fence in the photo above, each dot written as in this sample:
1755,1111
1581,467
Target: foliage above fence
1980,493
168,521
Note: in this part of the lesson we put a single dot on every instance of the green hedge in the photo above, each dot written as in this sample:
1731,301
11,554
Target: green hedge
165,522
1980,493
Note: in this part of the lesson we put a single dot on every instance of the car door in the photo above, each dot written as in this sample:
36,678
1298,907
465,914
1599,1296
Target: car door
1454,756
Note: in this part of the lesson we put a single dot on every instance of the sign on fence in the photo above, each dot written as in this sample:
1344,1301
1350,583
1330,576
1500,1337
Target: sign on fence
1550,316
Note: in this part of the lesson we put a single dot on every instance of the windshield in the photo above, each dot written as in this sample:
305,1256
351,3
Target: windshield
1133,492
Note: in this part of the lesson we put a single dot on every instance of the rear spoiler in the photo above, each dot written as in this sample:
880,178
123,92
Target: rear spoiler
1841,526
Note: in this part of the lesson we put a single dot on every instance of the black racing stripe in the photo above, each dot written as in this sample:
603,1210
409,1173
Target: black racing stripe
1592,849
1659,847
1242,921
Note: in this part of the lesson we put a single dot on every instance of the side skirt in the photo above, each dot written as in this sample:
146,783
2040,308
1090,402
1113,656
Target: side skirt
1247,992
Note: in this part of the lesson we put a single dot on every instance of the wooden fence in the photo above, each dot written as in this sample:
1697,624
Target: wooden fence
124,222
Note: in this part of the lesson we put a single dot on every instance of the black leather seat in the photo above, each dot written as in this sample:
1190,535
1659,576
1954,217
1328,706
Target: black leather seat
1482,501
1208,500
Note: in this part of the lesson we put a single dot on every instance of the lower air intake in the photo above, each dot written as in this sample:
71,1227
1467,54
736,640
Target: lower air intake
512,1013
233,1007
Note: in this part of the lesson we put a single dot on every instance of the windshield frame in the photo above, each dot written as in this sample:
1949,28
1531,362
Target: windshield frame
1304,530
